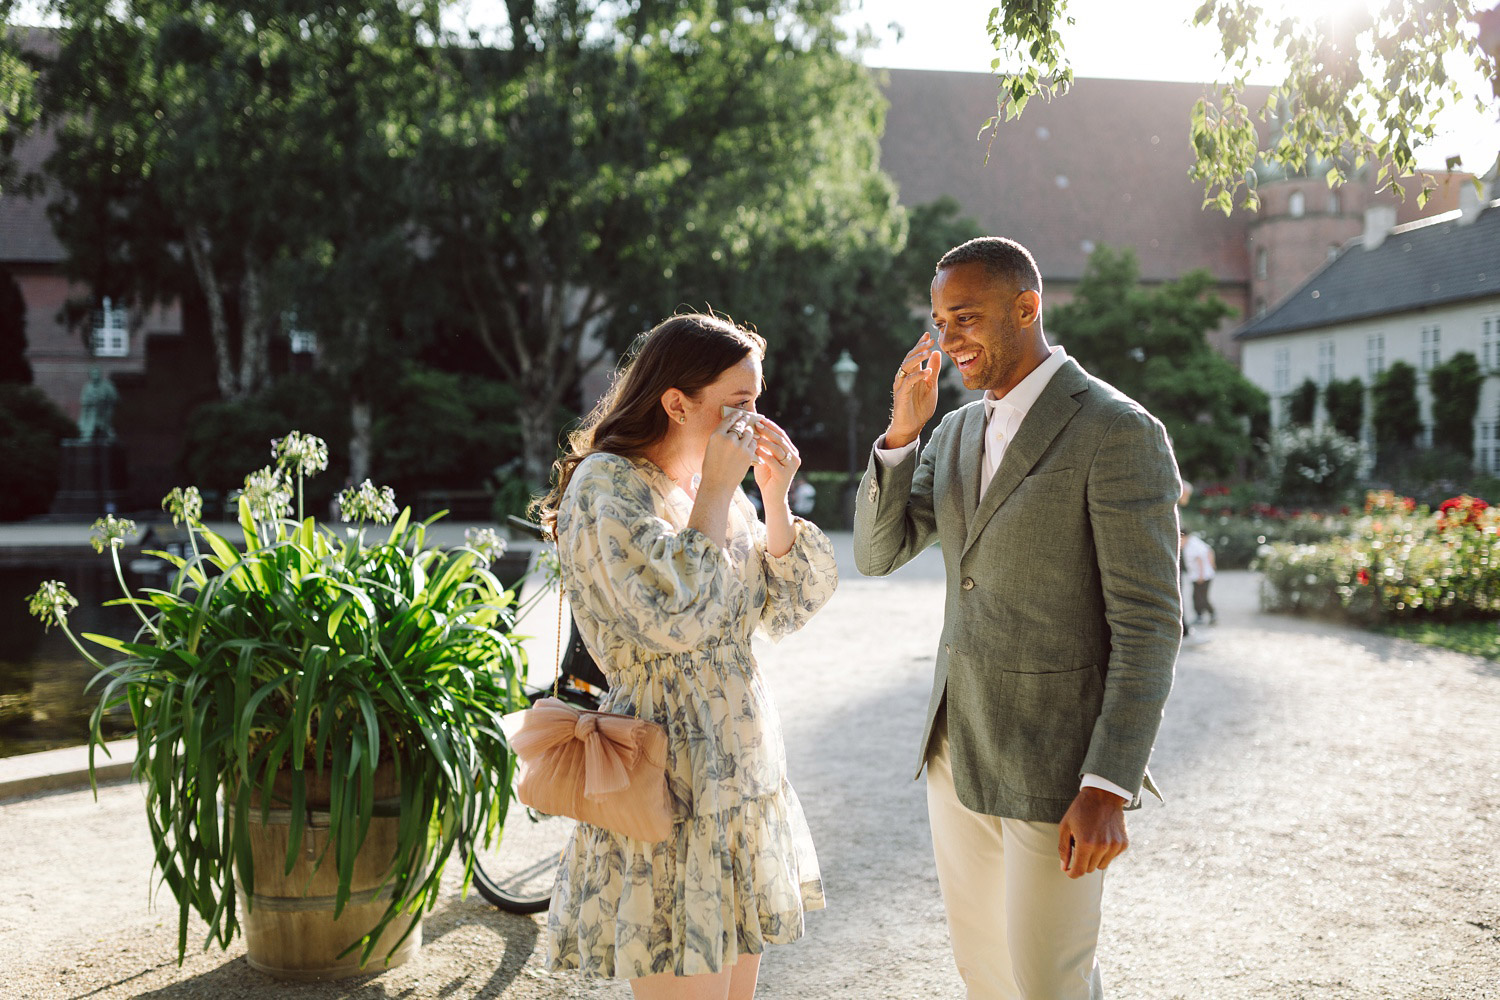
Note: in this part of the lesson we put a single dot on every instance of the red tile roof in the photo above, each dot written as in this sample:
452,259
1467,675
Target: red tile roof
1106,163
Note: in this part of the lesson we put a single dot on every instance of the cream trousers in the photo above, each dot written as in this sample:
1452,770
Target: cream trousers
1020,928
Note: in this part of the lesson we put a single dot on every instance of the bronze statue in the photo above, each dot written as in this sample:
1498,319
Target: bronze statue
96,408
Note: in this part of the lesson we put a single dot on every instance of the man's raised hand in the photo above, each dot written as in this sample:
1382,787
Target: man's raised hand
914,392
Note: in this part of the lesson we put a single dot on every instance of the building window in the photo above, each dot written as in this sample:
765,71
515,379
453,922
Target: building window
1296,205
1260,305
1485,461
1432,347
1335,202
1260,262
111,334
301,341
1374,355
1489,339
1325,362
1283,369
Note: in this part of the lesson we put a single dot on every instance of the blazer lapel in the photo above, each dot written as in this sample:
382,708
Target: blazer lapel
971,459
1046,418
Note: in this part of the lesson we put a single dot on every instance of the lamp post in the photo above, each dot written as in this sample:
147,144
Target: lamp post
844,370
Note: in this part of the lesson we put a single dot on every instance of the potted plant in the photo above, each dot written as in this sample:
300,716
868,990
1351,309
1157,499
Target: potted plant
317,716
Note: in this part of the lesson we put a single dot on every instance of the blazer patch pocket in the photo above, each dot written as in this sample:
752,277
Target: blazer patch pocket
1050,721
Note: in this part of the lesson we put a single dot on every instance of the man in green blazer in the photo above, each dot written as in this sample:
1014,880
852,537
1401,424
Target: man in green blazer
1054,499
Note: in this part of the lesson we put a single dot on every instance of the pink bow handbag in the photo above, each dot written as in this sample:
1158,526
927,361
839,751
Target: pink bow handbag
601,768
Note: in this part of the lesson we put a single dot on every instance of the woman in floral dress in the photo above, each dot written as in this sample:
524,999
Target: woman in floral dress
669,572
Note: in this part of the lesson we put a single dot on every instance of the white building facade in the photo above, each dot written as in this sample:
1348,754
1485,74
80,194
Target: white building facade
1419,293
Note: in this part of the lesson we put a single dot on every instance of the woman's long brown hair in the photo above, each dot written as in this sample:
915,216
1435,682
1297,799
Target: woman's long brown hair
687,352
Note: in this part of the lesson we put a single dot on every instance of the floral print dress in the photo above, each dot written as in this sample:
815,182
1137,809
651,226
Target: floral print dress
669,615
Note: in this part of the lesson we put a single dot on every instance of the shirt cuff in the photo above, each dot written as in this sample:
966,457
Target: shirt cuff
1094,781
892,456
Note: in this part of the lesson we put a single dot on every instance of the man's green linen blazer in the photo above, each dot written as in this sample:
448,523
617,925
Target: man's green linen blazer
1063,614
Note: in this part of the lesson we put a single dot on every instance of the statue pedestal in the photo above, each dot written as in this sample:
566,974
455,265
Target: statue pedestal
91,481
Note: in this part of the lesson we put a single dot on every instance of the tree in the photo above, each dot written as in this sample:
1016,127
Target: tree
1344,401
602,165
18,108
217,148
1150,344
1455,385
32,430
1396,415
13,364
1363,86
1302,404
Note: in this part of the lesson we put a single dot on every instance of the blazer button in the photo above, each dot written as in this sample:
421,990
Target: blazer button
968,583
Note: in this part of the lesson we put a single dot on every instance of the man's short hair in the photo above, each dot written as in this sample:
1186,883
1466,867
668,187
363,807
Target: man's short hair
1004,259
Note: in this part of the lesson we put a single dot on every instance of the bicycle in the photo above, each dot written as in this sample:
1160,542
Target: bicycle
516,872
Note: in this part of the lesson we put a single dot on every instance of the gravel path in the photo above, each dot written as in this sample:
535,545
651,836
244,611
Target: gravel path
1331,832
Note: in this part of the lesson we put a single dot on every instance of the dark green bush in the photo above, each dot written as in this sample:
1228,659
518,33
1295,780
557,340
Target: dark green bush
31,433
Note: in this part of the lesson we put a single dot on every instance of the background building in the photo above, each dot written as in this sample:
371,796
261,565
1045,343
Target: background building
1418,293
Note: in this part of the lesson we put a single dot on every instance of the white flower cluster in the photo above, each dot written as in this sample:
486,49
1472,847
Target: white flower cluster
368,502
184,504
268,494
301,454
110,532
52,602
489,545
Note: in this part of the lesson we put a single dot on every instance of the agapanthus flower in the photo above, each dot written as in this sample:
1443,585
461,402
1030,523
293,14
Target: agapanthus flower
486,542
368,502
184,504
110,532
268,494
301,454
51,603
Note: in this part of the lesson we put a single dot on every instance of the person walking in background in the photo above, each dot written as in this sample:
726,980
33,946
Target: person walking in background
1055,501
1198,557
803,495
669,572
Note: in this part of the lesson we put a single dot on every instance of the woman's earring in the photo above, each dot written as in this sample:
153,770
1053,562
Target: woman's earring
682,418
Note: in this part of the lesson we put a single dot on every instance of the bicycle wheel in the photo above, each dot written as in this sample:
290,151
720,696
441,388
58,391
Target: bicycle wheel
516,872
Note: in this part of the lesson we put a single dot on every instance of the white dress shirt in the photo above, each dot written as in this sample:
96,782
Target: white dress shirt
1003,418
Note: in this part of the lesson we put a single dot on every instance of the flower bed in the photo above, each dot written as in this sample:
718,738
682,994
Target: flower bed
1397,562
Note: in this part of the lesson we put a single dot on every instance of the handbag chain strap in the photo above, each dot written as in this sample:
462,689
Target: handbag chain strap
557,674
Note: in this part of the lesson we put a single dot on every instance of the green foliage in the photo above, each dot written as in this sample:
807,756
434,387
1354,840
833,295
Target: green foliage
1363,86
432,430
443,430
1344,401
1313,465
1394,564
311,654
1396,415
1455,385
13,364
1150,344
602,165
1302,404
254,150
1238,538
18,109
1474,638
1031,62
31,433
223,439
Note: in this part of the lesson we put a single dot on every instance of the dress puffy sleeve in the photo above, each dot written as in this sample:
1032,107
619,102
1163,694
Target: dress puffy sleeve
799,582
630,570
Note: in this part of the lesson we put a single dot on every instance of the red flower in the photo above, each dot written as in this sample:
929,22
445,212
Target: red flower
1362,577
1409,503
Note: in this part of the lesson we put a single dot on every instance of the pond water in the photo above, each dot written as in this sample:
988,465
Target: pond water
43,698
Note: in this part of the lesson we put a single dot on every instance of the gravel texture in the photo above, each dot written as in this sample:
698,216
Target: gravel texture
1331,831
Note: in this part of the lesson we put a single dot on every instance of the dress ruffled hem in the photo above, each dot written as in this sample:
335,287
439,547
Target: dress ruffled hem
722,887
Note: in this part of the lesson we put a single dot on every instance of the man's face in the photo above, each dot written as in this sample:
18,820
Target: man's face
975,317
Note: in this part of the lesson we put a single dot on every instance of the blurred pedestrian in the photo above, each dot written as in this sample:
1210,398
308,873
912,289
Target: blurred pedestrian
1201,564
